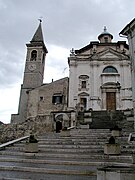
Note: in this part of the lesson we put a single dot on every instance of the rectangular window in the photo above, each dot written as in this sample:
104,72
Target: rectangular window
106,39
57,99
41,98
83,84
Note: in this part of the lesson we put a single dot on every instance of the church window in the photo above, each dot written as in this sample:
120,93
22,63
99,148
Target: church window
83,84
33,55
41,98
106,39
110,69
57,99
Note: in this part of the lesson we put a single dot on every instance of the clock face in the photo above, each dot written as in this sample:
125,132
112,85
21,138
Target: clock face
32,67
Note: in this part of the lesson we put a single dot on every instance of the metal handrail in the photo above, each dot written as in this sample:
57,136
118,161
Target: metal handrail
2,146
72,127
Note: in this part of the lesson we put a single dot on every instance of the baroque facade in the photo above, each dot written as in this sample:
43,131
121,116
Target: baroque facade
99,80
102,74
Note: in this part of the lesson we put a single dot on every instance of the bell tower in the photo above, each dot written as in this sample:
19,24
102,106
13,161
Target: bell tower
33,72
35,60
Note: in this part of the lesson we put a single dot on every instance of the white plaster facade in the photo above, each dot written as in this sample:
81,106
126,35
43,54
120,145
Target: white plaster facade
129,32
100,75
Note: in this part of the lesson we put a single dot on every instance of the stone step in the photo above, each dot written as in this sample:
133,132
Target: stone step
67,155
63,150
82,141
91,130
65,143
58,161
63,170
62,166
69,149
76,136
89,136
93,159
13,175
79,144
14,178
59,146
75,139
79,135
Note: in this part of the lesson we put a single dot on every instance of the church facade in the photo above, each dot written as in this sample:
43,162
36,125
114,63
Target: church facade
99,80
100,75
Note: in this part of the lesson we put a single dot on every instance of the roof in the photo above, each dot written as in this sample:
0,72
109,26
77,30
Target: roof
38,36
127,28
89,46
38,39
62,80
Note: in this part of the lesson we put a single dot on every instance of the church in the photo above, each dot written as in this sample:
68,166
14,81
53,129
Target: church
99,81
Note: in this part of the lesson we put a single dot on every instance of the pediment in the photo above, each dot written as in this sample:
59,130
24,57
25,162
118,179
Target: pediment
109,54
83,94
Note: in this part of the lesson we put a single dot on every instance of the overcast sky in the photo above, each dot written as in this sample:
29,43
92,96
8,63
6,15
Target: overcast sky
66,24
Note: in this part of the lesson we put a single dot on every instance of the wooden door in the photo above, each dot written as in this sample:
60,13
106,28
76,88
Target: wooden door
111,101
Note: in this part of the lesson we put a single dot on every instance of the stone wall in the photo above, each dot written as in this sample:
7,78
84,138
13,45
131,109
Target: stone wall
36,126
40,99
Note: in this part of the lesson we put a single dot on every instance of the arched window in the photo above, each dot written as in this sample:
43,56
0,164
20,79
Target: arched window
110,69
33,55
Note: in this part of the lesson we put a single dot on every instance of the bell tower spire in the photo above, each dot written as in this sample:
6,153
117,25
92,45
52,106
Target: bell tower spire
38,36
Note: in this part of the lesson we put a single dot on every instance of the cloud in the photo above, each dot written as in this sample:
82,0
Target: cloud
56,66
9,98
10,67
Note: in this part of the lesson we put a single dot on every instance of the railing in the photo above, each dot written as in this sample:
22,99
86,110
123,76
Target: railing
4,145
72,127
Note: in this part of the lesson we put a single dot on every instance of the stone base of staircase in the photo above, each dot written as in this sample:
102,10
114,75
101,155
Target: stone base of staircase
106,119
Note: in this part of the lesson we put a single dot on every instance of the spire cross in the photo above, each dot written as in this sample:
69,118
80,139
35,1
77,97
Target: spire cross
105,29
40,19
72,51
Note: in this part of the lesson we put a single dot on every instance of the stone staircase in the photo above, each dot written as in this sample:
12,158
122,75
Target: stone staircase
74,157
107,119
